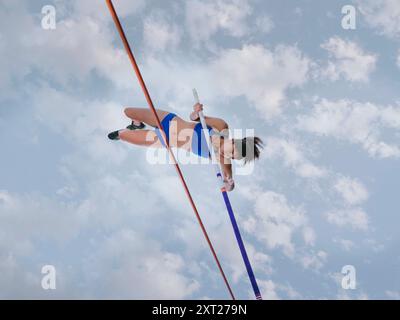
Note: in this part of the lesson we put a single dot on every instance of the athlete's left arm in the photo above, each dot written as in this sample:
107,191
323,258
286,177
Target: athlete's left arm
216,123
226,166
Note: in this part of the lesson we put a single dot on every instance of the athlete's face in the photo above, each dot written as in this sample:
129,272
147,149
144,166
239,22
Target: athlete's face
228,149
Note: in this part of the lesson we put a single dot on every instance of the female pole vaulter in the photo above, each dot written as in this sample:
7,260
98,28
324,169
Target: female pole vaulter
188,135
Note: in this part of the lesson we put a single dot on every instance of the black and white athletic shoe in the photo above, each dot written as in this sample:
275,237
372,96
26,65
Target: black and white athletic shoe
133,126
114,135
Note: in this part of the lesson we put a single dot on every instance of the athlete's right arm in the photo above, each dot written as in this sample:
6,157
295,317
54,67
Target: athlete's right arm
216,123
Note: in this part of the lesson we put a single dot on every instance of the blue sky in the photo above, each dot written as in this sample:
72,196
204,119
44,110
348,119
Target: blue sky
323,195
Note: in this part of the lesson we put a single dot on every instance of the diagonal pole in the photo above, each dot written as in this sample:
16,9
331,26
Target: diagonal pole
151,106
228,203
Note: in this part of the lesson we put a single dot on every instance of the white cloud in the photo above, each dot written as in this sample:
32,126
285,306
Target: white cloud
163,188
309,236
383,15
347,245
268,290
356,218
143,270
26,218
14,63
160,35
271,290
352,191
124,8
292,156
336,277
85,124
314,260
349,61
275,222
393,295
358,123
30,220
81,52
264,24
226,244
261,75
15,282
205,18
290,292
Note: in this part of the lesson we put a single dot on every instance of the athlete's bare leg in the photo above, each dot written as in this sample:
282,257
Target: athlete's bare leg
144,115
146,138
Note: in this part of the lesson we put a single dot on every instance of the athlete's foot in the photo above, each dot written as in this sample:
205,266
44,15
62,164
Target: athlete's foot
114,135
136,125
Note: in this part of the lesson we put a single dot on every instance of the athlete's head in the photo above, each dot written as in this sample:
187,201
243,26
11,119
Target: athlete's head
247,148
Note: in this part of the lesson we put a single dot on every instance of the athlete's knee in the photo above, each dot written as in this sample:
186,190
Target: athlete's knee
128,111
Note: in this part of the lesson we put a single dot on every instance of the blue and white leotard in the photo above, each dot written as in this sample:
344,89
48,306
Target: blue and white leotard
199,143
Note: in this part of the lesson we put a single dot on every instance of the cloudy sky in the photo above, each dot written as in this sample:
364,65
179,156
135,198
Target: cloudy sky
323,195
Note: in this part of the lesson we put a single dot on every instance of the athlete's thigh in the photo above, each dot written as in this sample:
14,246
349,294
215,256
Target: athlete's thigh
147,138
145,115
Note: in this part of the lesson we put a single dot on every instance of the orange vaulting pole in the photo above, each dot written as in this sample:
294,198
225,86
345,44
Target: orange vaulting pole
151,106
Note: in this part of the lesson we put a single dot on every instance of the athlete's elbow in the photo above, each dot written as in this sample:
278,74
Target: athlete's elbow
224,126
127,111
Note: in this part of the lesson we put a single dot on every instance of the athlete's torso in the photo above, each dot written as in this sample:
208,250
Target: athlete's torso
189,136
